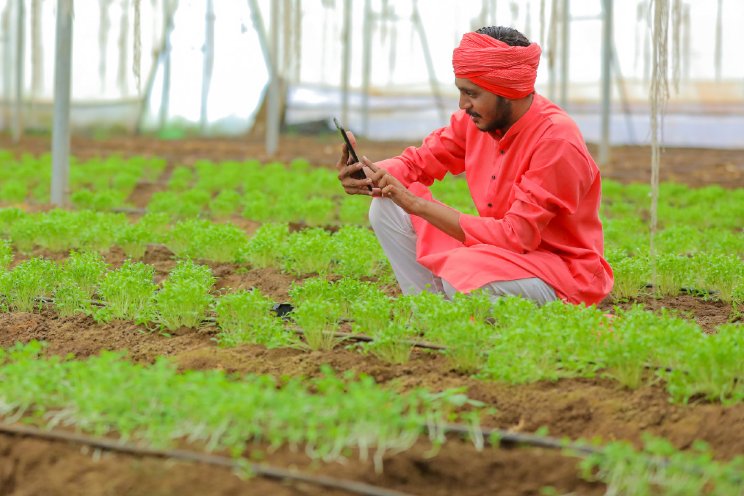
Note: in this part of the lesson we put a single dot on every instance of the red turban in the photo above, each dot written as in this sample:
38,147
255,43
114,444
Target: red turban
508,71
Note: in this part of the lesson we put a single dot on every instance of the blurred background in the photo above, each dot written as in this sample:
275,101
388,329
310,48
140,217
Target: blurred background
383,67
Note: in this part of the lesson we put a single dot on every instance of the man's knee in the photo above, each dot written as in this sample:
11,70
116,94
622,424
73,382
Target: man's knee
382,212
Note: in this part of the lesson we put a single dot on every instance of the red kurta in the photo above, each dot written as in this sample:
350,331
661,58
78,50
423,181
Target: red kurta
537,190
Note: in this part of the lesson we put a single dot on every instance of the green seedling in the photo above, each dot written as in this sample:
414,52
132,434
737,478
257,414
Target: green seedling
185,296
247,317
392,343
128,292
309,251
133,240
659,468
353,210
318,320
318,211
13,192
70,299
632,274
28,282
256,206
713,367
225,204
181,179
6,254
329,416
265,247
356,253
85,270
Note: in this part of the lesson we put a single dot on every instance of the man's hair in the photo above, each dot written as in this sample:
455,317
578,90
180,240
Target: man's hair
510,36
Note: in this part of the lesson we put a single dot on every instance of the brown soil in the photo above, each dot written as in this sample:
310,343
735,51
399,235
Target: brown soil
33,466
578,408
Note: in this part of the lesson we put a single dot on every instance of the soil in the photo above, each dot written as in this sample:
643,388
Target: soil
577,408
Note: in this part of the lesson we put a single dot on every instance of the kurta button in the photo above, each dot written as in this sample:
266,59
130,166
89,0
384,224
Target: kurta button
493,177
490,205
502,151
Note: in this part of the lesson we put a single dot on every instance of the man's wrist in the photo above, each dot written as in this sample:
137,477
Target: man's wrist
418,207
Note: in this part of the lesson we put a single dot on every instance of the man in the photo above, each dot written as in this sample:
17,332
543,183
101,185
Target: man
533,182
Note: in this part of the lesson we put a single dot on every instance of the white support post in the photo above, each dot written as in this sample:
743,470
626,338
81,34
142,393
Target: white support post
207,66
61,130
719,39
7,63
604,145
272,115
366,65
169,8
346,63
565,52
20,70
272,131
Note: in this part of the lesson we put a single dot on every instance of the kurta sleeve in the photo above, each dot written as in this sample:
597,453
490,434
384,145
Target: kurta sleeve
557,179
441,152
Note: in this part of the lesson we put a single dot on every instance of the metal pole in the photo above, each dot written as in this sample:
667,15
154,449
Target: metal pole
346,63
604,145
566,20
61,130
7,64
719,39
366,65
272,132
207,65
261,30
272,116
19,62
170,10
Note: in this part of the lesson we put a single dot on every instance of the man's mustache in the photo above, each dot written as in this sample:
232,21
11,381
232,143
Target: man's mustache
472,114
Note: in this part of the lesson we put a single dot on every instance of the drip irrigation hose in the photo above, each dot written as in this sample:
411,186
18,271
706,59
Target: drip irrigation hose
261,470
487,436
516,438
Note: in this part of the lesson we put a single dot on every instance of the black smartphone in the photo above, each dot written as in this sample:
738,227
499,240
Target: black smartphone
356,174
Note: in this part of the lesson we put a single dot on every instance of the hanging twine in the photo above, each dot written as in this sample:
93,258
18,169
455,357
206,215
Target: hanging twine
659,97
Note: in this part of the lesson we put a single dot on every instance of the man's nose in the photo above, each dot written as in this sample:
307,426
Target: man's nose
464,102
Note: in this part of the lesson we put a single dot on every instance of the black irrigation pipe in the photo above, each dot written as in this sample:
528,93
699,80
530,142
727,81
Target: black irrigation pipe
510,438
488,436
261,470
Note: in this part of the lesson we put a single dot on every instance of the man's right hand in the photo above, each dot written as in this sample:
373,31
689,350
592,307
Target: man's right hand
351,185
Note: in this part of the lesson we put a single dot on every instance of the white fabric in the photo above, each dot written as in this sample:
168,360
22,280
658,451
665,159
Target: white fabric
393,228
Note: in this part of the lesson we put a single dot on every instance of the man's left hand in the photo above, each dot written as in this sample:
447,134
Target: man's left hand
389,187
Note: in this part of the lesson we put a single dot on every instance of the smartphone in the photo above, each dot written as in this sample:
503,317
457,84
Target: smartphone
357,174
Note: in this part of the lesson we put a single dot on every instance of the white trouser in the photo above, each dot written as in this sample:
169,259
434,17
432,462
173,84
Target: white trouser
394,231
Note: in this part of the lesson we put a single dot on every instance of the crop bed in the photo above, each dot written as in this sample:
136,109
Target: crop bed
576,396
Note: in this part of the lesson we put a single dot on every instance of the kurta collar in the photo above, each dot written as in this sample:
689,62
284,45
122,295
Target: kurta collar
505,140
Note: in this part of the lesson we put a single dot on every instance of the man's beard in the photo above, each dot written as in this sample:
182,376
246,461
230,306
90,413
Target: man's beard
503,121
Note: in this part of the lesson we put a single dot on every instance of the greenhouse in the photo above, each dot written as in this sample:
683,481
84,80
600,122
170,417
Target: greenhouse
376,247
